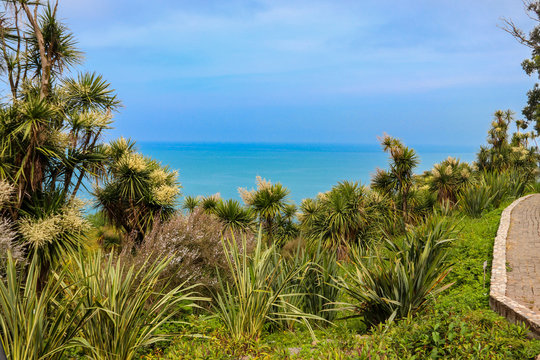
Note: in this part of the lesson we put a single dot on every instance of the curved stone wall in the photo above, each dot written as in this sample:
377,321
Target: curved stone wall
498,299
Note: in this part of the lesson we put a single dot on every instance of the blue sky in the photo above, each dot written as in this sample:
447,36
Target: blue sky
429,72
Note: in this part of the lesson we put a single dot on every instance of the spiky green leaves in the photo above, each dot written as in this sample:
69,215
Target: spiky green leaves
136,191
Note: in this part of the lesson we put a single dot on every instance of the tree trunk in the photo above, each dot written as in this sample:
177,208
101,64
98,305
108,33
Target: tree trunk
45,61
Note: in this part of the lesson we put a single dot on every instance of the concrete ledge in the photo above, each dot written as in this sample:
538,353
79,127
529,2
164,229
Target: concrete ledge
498,301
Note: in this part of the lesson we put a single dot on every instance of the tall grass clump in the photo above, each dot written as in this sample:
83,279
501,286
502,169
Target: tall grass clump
320,284
474,200
257,294
314,289
398,279
40,323
130,304
506,185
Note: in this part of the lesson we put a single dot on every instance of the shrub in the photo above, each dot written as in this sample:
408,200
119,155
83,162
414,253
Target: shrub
442,335
505,185
448,177
131,304
396,280
320,285
257,295
39,323
474,200
347,214
193,244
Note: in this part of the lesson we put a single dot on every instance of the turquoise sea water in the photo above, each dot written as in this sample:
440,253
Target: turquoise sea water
305,169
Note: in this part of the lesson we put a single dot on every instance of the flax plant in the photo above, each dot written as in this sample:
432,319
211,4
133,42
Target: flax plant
397,280
130,304
257,294
43,324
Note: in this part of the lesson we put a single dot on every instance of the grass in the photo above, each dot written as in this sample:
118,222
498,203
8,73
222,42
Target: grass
458,324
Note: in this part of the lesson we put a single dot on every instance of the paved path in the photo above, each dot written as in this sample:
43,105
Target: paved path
523,254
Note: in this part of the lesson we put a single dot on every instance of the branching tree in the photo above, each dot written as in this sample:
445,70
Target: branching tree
51,128
532,65
398,179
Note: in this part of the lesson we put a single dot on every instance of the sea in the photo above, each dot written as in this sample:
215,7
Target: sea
305,169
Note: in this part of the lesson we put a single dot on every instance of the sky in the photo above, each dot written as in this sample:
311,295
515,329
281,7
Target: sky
304,71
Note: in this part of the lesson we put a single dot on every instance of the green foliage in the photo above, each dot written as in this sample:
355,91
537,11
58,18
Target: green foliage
190,203
51,129
446,335
448,177
531,65
505,185
397,280
130,304
257,295
346,215
40,323
502,155
136,191
234,216
398,179
320,284
270,204
476,199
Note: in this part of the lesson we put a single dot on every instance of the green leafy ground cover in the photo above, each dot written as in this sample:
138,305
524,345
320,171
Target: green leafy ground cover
458,324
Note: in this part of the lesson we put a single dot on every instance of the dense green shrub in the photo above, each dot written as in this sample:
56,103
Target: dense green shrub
448,177
258,294
475,199
130,304
397,280
477,335
40,323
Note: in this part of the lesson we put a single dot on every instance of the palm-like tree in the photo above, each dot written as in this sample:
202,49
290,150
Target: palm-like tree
268,201
191,203
234,216
448,177
398,179
136,191
209,203
339,217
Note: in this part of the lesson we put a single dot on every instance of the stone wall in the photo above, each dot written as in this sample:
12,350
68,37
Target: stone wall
498,300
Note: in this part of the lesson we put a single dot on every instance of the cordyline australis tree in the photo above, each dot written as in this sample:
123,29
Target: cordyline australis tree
50,128
271,205
398,179
136,191
509,154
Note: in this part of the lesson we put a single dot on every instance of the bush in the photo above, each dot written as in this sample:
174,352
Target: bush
441,335
131,304
474,200
315,289
396,280
39,323
257,295
193,244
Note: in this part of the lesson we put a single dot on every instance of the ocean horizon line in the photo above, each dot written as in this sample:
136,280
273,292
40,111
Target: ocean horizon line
305,146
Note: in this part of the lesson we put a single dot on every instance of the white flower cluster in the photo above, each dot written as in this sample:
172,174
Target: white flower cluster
40,232
6,192
134,162
165,194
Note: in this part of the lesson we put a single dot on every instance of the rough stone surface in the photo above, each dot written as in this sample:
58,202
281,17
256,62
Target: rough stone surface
515,283
523,254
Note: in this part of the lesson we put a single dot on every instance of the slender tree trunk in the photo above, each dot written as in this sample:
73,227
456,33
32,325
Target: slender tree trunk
45,60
